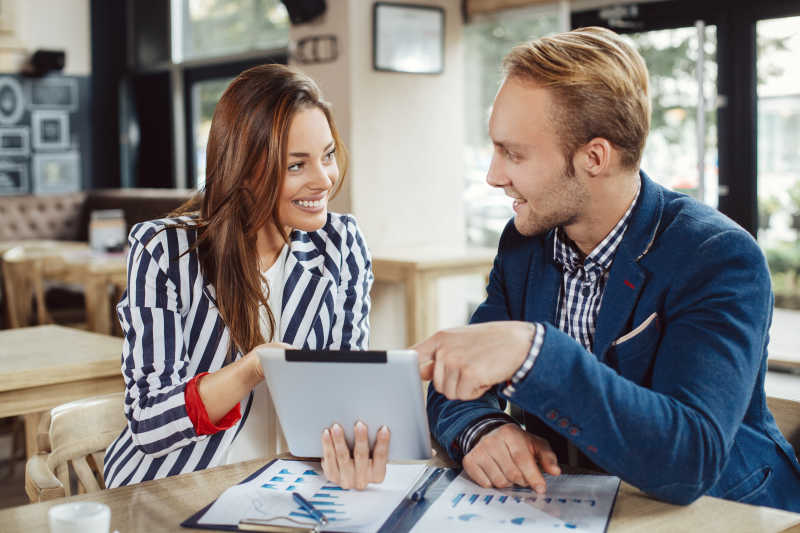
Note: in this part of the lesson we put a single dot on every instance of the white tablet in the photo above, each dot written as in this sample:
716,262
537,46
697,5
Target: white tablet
312,389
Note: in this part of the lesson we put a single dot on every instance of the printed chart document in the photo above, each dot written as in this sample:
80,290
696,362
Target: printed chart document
572,503
268,496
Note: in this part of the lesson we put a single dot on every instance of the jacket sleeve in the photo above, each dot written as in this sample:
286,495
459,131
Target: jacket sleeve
448,418
672,438
154,357
350,329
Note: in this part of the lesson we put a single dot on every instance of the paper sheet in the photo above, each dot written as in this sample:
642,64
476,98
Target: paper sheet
572,503
269,495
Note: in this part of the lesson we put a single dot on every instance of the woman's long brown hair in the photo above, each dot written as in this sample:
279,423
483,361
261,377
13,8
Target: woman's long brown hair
246,161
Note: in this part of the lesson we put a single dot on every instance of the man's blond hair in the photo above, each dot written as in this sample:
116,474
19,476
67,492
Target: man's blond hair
599,83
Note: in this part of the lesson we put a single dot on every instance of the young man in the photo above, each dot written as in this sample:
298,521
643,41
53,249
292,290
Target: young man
627,324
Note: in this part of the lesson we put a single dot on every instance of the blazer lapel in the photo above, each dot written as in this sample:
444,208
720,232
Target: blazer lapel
627,277
306,287
619,299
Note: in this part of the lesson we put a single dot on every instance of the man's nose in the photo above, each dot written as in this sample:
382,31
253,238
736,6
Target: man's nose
496,176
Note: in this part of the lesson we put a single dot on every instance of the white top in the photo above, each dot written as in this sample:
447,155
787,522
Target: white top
260,436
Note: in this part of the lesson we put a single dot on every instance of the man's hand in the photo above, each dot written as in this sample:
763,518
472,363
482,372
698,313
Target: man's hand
465,362
508,455
358,469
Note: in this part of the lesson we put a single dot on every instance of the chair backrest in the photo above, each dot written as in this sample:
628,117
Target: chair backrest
79,433
787,416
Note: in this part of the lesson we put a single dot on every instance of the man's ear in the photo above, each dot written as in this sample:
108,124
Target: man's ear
595,156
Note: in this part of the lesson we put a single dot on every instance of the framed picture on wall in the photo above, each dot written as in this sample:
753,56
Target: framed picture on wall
12,102
15,141
50,129
56,173
13,178
53,93
408,38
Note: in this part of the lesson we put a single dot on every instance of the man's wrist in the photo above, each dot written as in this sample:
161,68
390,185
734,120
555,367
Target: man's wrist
473,433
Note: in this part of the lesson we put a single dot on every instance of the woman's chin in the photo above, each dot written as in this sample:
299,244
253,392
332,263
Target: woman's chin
313,222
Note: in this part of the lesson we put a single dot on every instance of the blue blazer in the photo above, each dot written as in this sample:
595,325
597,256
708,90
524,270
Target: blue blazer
671,398
173,332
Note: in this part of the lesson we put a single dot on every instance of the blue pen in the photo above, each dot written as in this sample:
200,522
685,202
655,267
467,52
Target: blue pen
420,492
310,509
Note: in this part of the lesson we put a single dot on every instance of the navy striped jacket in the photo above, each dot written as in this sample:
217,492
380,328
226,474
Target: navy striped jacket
173,332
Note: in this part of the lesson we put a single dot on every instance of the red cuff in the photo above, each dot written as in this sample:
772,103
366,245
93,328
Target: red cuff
198,414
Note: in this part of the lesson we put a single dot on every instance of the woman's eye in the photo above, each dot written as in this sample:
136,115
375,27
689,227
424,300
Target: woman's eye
329,155
295,167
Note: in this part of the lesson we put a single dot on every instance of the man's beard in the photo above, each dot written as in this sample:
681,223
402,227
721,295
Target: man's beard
569,196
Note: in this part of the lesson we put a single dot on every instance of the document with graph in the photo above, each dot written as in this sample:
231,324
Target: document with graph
267,497
413,497
572,503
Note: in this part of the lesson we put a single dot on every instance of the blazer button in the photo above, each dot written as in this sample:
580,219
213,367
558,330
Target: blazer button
574,431
563,422
552,414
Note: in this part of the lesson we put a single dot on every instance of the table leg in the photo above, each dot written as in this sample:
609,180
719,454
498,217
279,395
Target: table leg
98,309
429,302
414,308
31,429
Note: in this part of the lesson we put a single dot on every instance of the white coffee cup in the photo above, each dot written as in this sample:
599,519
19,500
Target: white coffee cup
80,517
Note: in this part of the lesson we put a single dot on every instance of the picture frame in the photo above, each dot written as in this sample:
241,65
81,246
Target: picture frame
407,38
56,173
15,142
50,129
12,101
13,178
53,92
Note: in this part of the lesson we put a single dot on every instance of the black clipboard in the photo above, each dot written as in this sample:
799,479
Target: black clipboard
402,519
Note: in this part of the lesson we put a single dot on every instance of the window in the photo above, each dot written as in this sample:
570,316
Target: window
186,52
778,145
674,155
204,98
487,39
211,28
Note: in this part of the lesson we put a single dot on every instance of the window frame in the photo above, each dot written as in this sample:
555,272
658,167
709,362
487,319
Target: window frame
736,85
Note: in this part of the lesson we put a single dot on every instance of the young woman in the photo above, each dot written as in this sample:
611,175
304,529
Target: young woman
255,259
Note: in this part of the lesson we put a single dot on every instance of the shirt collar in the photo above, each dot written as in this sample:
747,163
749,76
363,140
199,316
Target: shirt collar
568,256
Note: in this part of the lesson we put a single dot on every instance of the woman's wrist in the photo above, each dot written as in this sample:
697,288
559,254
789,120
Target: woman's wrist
252,373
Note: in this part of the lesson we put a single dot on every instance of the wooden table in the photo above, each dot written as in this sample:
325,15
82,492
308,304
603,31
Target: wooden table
45,366
784,341
161,505
418,269
28,265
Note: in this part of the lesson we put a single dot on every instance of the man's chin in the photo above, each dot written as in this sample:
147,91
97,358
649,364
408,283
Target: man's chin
530,228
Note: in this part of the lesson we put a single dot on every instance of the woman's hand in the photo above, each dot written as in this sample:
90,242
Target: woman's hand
253,363
358,469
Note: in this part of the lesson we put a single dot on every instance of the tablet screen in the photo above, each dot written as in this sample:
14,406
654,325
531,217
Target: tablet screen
312,389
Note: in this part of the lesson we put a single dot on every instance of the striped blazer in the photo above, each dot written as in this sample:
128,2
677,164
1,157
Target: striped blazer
173,332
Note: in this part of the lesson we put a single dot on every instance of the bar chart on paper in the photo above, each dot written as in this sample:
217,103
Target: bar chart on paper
572,503
267,497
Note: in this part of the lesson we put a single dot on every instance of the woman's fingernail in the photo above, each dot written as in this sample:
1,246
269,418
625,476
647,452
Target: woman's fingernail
384,429
337,428
326,433
360,424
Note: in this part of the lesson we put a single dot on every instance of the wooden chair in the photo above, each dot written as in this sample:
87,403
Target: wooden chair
73,434
787,416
